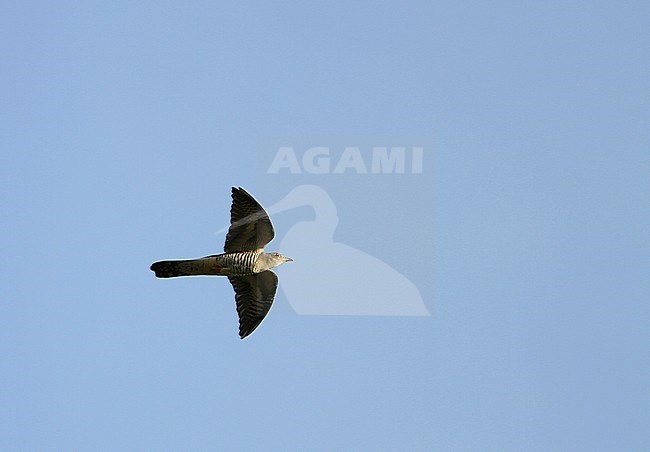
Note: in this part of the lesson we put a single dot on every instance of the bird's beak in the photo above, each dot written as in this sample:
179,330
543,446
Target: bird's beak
287,259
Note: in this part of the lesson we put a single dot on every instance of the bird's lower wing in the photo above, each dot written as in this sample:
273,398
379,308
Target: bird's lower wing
254,295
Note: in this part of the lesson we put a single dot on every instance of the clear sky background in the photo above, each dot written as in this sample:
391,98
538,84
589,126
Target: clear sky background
124,125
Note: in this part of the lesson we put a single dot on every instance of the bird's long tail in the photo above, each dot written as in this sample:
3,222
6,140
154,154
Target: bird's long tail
171,269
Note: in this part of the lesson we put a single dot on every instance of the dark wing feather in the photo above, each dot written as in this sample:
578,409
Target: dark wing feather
250,226
254,296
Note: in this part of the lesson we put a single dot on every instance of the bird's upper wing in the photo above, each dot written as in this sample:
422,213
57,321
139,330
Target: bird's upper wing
250,226
254,296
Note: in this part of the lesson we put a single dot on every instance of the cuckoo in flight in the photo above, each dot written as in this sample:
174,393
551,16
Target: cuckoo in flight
244,262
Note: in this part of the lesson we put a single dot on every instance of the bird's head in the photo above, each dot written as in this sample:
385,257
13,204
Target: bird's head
275,259
279,258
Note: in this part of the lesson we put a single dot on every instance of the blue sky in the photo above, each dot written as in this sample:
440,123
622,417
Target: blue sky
125,124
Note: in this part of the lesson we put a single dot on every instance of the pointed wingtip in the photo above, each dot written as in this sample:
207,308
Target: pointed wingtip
237,191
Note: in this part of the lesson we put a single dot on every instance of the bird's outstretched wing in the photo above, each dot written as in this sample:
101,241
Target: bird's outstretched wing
254,295
250,226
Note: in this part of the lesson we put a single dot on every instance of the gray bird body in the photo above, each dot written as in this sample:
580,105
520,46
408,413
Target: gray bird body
244,262
227,264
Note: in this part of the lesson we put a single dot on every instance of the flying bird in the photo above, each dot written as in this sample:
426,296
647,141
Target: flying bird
244,261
